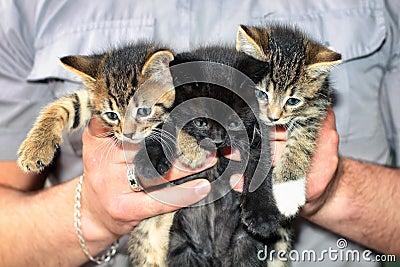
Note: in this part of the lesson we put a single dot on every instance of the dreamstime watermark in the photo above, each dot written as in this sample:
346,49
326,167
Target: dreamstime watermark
339,253
206,93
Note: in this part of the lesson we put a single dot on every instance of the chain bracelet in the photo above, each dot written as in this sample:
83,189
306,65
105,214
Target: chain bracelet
104,258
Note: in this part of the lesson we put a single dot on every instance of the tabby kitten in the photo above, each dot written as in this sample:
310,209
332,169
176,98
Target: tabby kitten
211,234
111,82
294,93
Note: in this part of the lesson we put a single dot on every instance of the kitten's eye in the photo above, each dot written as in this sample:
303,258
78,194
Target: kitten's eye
144,112
200,123
261,95
292,101
111,116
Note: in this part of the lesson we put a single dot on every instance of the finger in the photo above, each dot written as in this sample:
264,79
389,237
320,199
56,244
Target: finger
236,182
168,199
100,138
323,166
232,153
96,128
278,134
328,128
180,170
319,180
325,159
277,148
330,120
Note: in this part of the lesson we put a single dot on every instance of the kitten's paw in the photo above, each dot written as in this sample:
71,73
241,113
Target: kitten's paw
163,166
290,196
148,175
194,160
36,153
260,224
151,160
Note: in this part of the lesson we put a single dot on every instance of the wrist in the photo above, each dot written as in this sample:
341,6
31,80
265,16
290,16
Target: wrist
337,196
93,236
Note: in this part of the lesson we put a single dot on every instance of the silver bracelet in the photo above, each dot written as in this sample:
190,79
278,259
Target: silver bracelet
106,257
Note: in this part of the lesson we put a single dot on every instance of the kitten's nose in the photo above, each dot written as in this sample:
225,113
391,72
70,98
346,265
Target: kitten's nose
218,142
128,135
218,138
273,119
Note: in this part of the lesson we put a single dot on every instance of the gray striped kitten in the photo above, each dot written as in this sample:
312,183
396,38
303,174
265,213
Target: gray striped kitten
295,94
111,80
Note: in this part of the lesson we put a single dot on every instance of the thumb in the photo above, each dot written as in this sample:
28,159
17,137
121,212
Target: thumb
173,198
96,128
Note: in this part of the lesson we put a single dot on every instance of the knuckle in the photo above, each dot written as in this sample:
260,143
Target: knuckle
335,136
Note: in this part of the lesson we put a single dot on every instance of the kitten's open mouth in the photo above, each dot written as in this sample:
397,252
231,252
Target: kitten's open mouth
231,153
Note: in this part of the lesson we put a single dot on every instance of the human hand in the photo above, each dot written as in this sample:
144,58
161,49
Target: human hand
110,208
323,166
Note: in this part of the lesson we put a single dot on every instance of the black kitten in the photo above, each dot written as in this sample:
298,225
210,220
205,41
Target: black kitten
213,109
213,105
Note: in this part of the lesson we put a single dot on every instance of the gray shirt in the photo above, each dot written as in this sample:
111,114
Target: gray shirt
35,34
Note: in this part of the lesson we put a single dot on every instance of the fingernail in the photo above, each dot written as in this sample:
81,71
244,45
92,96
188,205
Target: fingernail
202,188
236,181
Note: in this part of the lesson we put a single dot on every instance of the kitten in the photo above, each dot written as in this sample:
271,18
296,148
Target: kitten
211,233
294,93
111,82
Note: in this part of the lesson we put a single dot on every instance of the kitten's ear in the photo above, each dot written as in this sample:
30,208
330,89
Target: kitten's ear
255,69
157,63
248,41
84,66
320,59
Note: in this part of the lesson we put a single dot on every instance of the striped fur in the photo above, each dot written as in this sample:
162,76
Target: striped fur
111,93
148,242
68,113
295,93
